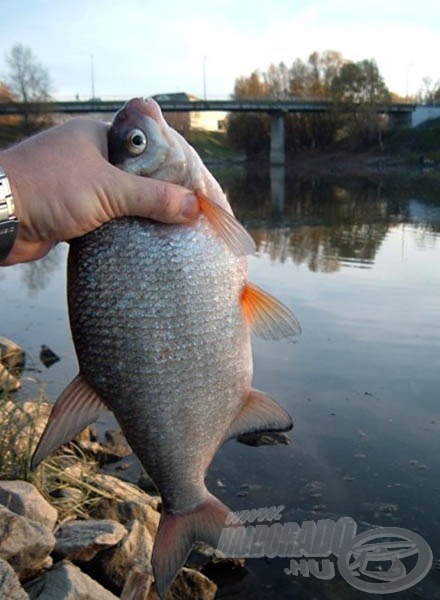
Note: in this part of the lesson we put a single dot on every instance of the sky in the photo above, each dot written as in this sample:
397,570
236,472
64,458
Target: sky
146,47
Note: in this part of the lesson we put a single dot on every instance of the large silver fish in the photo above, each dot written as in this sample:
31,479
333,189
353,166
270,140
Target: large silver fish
161,317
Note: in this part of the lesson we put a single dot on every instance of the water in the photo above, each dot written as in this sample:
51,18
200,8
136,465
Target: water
359,264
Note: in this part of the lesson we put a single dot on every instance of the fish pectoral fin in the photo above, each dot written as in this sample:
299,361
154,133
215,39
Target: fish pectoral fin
267,317
77,407
260,413
176,535
226,226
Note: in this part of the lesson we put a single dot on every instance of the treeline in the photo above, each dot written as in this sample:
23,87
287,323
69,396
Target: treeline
355,88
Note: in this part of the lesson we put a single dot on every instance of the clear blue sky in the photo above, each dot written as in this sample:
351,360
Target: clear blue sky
144,47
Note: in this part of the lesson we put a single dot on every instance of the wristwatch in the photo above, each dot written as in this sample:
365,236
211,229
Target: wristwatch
8,220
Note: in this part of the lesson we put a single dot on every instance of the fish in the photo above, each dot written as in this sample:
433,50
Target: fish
161,317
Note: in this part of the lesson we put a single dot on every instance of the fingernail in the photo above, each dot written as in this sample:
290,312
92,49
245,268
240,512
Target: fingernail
190,207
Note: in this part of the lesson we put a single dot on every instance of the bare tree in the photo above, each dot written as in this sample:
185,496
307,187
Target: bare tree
29,81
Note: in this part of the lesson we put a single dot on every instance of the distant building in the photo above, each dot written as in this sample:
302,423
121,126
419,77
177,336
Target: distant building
184,121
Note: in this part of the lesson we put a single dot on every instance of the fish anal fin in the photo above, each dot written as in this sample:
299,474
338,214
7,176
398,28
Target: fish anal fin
226,226
260,413
176,535
268,317
77,407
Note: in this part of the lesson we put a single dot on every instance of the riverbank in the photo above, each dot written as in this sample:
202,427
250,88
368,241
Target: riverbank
410,154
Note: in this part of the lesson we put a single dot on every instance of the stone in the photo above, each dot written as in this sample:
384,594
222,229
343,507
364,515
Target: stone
125,512
133,553
8,381
125,503
138,586
66,582
264,438
11,355
25,544
10,588
192,584
24,499
11,364
122,490
82,540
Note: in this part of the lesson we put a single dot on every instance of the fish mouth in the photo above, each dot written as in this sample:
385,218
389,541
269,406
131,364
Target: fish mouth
146,107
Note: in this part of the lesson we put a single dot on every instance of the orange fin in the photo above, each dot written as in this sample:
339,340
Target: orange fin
227,227
177,533
260,413
268,317
77,407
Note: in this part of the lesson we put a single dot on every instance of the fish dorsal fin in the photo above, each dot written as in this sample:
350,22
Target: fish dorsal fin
226,226
260,413
77,407
268,317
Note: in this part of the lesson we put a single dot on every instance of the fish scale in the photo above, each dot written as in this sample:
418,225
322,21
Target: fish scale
182,361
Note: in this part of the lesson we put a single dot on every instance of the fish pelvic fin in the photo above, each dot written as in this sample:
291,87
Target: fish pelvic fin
260,413
226,226
176,535
267,317
77,407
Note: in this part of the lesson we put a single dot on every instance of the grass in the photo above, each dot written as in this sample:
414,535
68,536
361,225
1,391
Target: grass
65,479
19,434
212,145
423,140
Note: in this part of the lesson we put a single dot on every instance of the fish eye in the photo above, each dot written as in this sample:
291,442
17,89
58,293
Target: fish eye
136,142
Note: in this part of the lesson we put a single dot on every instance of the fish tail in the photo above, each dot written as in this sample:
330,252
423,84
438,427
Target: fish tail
177,533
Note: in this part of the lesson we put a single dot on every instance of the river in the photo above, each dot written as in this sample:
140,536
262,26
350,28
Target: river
359,264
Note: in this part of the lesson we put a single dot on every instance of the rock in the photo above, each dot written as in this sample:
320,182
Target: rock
133,553
202,555
192,584
82,540
264,438
11,355
48,356
10,588
125,512
125,503
24,499
11,364
138,586
8,382
103,454
67,582
121,490
25,544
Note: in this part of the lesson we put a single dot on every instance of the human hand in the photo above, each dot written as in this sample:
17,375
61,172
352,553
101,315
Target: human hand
64,187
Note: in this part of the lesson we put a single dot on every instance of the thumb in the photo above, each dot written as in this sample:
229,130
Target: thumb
132,195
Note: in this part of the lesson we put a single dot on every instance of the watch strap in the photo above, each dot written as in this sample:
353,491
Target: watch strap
8,220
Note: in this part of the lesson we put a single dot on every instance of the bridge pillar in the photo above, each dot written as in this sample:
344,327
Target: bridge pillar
277,139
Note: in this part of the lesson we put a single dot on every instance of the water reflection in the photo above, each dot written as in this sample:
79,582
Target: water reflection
324,224
36,275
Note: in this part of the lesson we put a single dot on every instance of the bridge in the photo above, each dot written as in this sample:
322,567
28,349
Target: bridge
277,109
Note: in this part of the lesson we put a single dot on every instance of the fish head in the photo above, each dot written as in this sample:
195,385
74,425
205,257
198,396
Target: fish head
141,141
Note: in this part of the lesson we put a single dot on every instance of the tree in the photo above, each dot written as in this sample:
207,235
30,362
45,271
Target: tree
358,90
29,81
429,94
250,131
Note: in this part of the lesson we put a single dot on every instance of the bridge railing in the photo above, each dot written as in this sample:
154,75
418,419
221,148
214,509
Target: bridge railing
268,106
